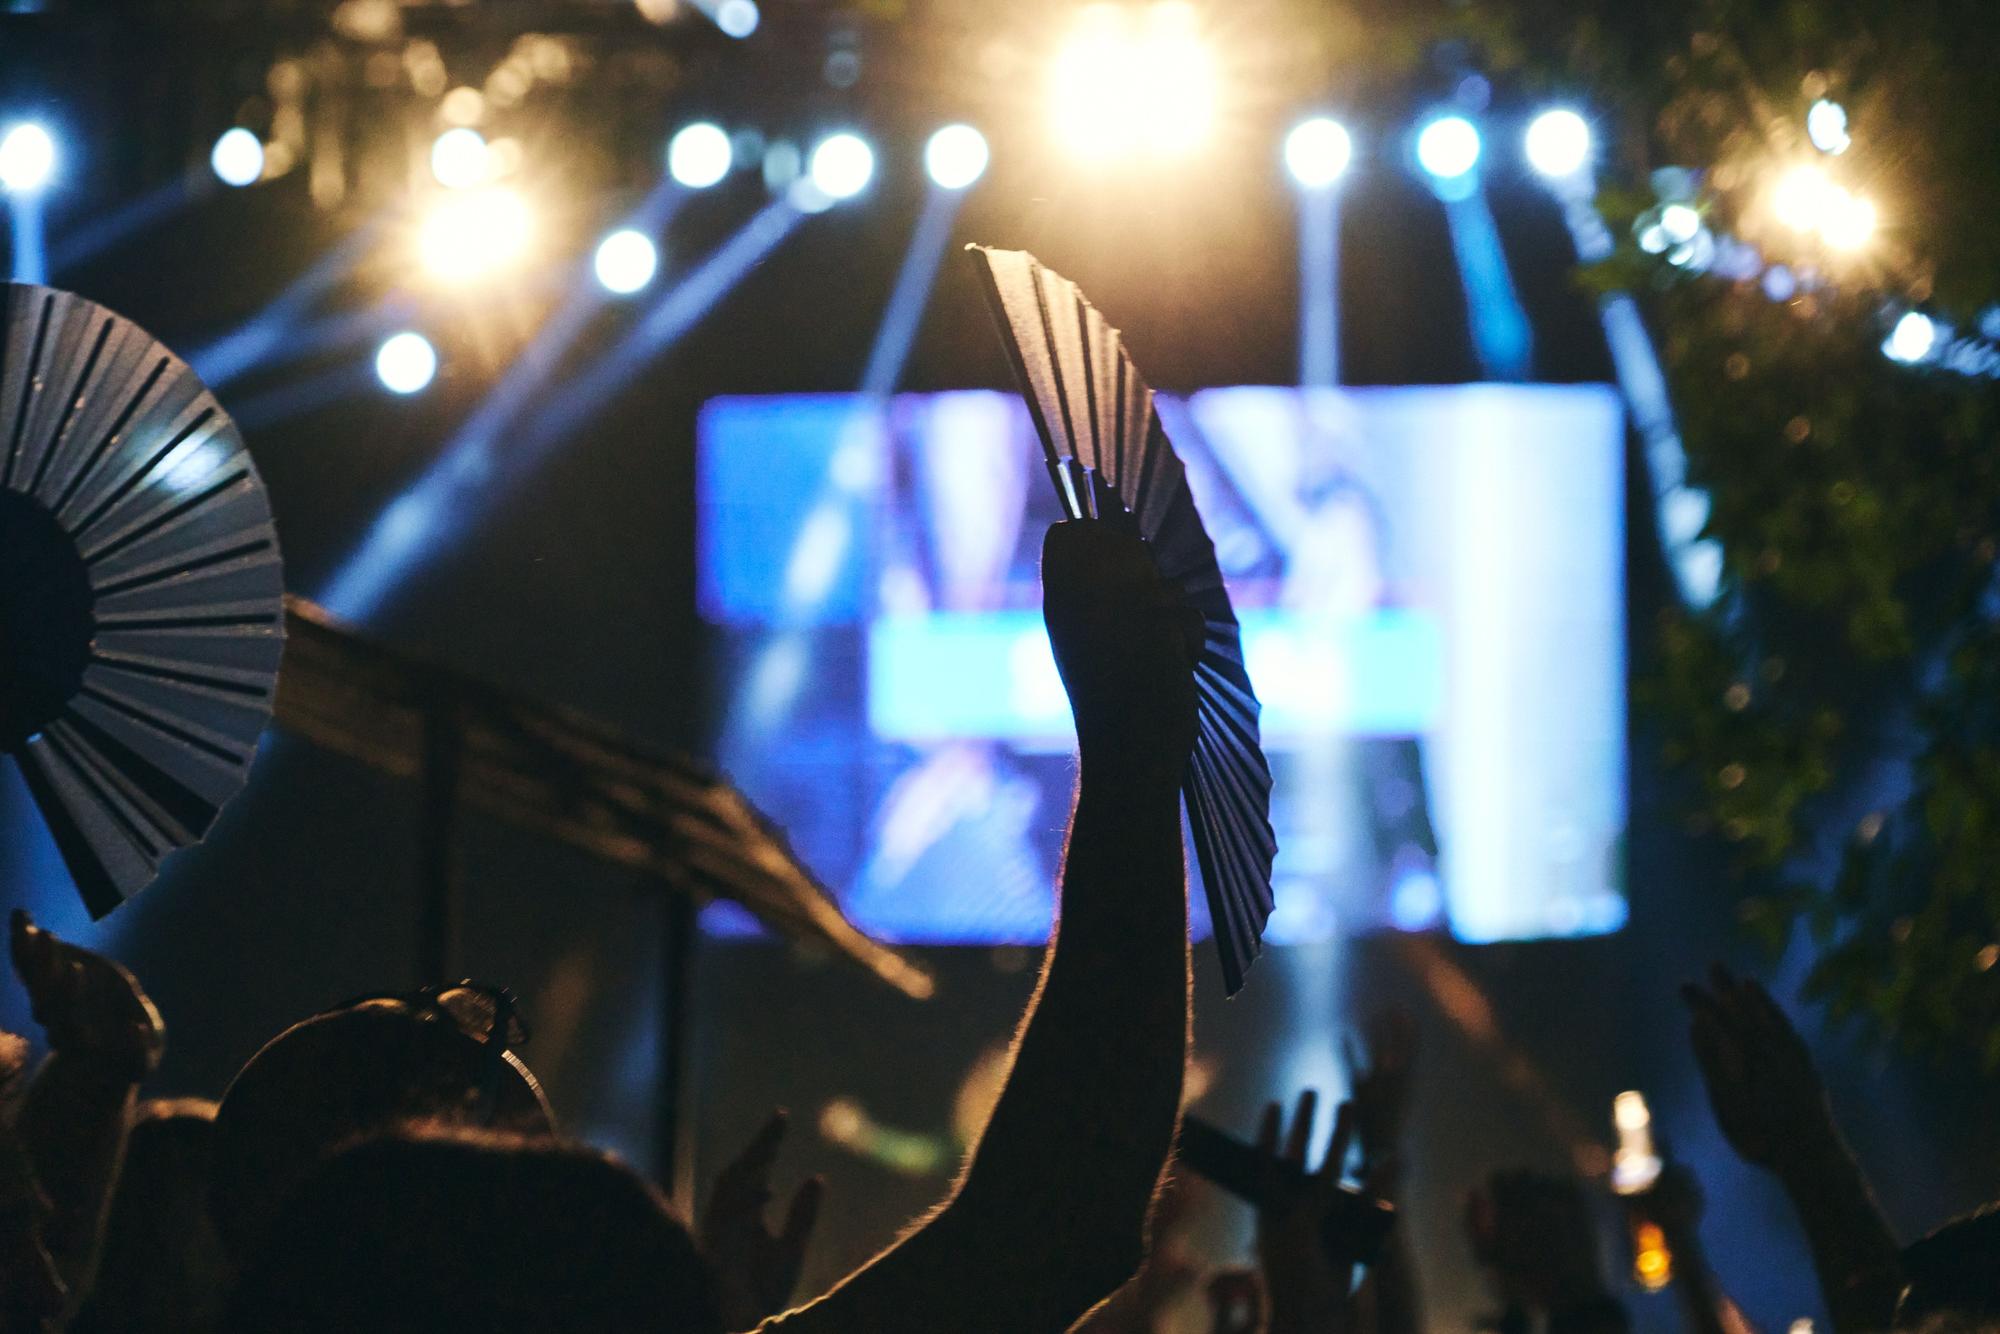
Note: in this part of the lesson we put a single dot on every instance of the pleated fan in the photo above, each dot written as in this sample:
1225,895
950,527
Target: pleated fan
1109,458
141,595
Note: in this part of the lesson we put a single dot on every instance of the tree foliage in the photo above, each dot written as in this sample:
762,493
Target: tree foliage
1836,712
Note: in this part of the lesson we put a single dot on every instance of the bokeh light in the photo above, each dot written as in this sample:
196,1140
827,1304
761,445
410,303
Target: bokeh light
238,157
626,261
27,159
460,159
955,157
737,18
1800,198
474,234
1558,143
1826,126
1317,152
1130,82
1849,223
1448,147
406,363
1914,338
699,155
842,165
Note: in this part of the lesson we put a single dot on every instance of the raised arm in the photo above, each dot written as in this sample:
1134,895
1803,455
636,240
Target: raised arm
1772,1107
1050,1215
104,1037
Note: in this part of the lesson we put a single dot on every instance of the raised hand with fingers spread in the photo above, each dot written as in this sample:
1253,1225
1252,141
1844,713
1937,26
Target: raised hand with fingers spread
104,1037
1379,1071
1308,1286
757,1269
1772,1107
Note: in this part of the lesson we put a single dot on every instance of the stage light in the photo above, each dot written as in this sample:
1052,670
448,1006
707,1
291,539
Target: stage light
626,261
1680,222
27,159
1849,221
1801,197
1317,152
460,159
737,18
955,157
238,157
699,155
1558,143
467,235
1448,147
1913,339
1826,126
1133,82
842,165
406,363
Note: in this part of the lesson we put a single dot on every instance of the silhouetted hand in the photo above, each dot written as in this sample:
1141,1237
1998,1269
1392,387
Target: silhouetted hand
1125,642
1380,1090
1307,1286
1533,1234
757,1269
91,1009
1762,1084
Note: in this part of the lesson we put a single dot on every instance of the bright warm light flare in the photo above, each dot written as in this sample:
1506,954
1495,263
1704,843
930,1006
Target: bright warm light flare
1129,83
472,234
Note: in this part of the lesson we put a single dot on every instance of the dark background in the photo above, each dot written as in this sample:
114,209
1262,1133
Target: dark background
578,589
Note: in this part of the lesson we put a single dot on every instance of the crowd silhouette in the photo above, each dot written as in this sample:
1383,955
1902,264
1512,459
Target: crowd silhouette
390,1164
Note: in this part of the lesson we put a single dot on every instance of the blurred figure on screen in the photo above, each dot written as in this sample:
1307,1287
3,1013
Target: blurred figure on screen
960,486
1357,836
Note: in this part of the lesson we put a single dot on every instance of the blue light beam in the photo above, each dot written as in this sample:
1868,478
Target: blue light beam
271,330
1680,511
1319,288
1500,333
442,506
912,292
31,255
80,245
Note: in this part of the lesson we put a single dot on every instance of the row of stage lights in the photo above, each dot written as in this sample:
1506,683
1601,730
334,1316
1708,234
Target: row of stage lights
478,226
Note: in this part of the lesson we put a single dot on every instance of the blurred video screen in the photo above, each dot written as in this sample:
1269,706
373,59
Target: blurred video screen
1431,586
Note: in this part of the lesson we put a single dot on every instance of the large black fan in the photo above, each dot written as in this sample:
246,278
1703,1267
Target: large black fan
141,599
1099,432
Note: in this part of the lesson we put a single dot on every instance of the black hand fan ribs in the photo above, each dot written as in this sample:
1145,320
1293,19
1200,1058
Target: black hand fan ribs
1101,436
141,599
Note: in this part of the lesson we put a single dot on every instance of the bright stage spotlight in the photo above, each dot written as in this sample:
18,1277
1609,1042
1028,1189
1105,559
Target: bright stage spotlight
626,261
842,165
469,235
27,159
1849,223
699,155
1802,196
1913,338
1826,126
460,159
1448,147
955,157
1558,143
406,363
1130,81
737,18
238,157
1317,152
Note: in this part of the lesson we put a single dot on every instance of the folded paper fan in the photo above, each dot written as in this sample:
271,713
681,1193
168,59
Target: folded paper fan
141,596
1102,438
